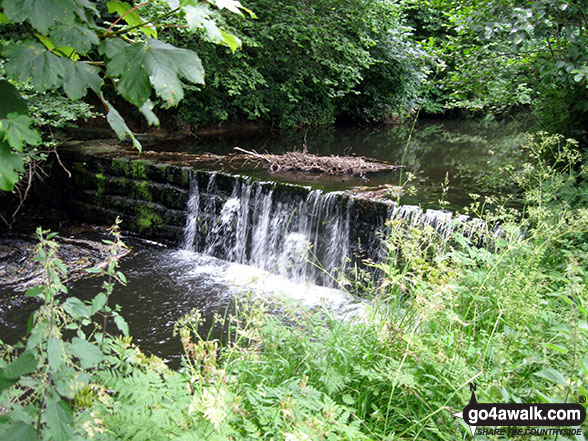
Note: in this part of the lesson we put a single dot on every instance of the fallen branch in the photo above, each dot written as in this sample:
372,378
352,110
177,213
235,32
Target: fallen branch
309,163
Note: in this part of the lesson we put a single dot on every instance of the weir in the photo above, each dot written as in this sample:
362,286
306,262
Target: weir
294,231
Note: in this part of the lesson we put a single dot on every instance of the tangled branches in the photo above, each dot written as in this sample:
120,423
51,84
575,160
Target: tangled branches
309,163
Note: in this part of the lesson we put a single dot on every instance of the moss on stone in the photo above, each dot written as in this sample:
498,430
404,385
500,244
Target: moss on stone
148,220
138,170
100,184
142,191
120,166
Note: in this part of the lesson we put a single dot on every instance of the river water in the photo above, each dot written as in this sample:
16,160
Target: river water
166,283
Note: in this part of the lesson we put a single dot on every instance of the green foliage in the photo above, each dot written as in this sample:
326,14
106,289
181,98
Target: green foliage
305,64
501,56
40,380
69,47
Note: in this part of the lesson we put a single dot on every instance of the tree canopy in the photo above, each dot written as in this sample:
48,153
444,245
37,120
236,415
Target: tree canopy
299,63
71,45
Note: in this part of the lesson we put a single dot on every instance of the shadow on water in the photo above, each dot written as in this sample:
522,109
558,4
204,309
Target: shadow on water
468,152
165,284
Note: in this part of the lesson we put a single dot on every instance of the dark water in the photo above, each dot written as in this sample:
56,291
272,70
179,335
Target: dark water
468,153
164,284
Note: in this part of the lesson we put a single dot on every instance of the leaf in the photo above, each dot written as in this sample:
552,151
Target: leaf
42,14
165,64
11,164
55,353
231,41
24,364
132,18
231,5
158,63
11,101
94,270
119,126
121,324
98,302
558,348
348,399
34,291
77,308
78,78
147,111
129,65
111,46
70,381
89,354
20,431
59,418
17,131
80,38
31,60
552,375
584,363
65,51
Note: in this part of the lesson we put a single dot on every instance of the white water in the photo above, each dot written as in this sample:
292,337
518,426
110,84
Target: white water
297,239
258,240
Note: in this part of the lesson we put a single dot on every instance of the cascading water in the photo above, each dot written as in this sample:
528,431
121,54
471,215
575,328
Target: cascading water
302,239
304,236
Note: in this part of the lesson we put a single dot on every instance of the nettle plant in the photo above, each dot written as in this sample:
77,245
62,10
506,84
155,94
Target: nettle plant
47,379
71,48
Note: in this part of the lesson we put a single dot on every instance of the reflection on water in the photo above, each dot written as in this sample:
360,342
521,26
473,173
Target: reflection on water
469,152
165,284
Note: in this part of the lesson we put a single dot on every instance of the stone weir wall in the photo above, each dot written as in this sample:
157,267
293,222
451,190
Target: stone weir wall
150,193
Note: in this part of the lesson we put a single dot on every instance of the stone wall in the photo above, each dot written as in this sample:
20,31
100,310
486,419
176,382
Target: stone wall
150,193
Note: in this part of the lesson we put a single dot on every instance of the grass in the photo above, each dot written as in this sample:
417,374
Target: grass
510,316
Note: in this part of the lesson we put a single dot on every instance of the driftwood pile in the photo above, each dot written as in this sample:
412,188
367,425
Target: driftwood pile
309,163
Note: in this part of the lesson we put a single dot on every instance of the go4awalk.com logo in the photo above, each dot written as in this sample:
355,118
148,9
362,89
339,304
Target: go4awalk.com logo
507,419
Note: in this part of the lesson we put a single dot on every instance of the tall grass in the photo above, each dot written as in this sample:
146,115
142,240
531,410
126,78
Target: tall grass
509,315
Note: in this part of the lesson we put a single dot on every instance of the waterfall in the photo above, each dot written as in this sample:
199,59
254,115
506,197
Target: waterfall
297,237
306,236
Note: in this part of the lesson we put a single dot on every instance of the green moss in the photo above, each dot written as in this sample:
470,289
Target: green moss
120,166
138,170
147,219
185,177
100,184
142,191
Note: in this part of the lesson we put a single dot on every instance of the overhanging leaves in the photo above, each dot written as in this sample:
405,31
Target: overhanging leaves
11,100
11,164
132,18
156,63
78,37
129,65
117,123
30,60
78,77
16,131
42,14
147,111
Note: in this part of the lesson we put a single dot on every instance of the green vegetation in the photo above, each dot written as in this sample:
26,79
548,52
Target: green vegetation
74,47
510,316
308,64
298,64
509,313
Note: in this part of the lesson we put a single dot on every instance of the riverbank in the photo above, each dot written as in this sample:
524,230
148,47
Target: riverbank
510,321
